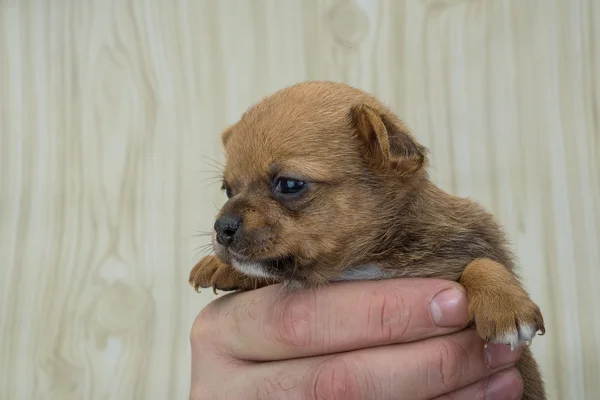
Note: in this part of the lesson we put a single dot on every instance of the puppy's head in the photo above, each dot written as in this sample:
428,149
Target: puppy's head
313,175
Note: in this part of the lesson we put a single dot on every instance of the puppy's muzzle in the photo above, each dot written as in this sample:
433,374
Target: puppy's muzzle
227,227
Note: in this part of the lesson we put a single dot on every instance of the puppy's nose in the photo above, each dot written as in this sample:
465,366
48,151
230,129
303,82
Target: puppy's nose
226,227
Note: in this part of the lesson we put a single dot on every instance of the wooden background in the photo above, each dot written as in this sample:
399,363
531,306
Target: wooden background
109,109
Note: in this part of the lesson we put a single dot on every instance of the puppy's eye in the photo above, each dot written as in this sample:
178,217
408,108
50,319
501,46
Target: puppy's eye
227,190
289,186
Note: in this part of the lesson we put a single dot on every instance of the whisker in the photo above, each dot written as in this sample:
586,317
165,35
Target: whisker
206,249
202,248
217,162
216,165
204,253
211,183
295,269
280,291
210,171
213,176
195,235
216,179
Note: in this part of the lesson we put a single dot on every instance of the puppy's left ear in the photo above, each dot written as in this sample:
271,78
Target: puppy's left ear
388,144
226,135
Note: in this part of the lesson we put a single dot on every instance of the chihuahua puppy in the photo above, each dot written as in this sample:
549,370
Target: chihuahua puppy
326,184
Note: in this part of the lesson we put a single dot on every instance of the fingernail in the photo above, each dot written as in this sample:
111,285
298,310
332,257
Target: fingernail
449,308
505,385
500,355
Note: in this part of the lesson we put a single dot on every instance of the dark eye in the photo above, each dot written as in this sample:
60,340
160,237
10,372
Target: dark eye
289,186
227,191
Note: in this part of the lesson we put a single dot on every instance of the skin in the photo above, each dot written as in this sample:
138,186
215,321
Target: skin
390,339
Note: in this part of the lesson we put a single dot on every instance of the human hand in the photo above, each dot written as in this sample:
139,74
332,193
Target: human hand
393,339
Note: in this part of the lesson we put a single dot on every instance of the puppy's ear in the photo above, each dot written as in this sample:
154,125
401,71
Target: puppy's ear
388,144
226,135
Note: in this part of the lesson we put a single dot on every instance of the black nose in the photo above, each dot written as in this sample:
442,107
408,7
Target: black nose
226,227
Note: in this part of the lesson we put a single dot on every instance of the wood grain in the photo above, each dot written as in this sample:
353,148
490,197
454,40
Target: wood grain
110,114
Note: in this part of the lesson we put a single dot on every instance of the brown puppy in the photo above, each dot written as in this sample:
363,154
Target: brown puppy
326,184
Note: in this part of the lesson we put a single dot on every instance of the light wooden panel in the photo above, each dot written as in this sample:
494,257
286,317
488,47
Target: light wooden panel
110,116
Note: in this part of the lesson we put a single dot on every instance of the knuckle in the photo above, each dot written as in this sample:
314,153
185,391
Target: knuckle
199,394
335,379
203,326
389,318
289,323
474,392
281,385
479,392
447,364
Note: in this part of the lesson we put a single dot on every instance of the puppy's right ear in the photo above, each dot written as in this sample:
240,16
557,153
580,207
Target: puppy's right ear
388,143
226,135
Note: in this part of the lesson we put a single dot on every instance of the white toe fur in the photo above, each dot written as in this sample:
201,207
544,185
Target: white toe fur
517,338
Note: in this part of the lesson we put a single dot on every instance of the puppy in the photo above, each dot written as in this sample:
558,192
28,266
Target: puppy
326,184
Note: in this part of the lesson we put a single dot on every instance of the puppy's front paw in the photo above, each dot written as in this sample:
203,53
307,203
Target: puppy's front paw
510,317
201,274
499,306
211,272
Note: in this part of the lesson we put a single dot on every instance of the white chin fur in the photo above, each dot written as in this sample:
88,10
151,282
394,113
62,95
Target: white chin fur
253,269
364,273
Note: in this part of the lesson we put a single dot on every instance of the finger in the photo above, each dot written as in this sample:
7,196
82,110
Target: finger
506,384
263,325
420,370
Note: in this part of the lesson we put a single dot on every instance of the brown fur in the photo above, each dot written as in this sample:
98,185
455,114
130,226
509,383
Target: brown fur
369,202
